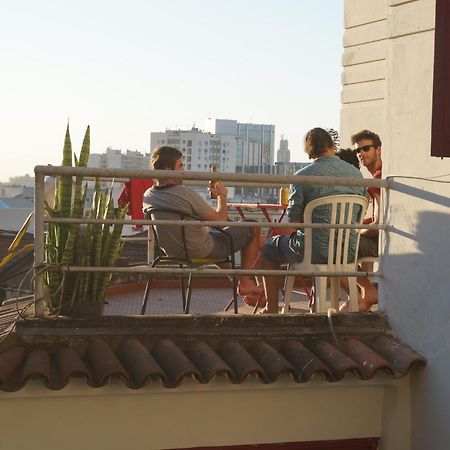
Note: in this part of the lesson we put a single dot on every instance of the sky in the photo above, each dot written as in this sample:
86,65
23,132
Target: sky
129,68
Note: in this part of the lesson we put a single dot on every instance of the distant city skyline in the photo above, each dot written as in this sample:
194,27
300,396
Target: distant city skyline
153,65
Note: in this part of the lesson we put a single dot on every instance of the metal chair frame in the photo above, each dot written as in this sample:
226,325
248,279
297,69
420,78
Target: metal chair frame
186,261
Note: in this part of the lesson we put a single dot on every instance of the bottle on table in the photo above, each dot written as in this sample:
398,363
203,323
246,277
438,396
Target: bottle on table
284,196
213,183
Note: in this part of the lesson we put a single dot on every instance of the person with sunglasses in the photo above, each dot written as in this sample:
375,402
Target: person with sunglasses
367,145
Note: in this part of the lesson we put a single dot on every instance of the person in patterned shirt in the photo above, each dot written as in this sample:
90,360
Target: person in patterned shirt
288,245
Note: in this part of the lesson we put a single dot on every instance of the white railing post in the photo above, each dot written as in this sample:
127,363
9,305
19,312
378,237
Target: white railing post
39,237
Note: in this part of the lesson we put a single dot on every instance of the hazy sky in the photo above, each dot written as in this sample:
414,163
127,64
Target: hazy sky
129,68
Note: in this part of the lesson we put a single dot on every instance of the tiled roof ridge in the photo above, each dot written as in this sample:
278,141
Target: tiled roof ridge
145,355
203,325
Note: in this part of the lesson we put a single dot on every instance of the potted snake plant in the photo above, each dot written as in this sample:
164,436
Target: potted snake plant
80,293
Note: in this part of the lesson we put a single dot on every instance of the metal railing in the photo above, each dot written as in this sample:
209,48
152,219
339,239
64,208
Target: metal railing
192,178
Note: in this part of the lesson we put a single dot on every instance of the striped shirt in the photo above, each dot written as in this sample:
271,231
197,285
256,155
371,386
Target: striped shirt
300,195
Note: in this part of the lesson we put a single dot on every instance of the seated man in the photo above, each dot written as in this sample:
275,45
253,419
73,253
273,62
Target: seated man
202,242
368,147
288,246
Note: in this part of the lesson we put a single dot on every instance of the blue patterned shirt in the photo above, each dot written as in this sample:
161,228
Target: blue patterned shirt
300,195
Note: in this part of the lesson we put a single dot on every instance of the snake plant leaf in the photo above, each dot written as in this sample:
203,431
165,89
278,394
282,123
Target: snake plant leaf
64,194
112,253
13,248
85,148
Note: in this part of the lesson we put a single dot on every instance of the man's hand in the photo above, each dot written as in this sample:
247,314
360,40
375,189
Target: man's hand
220,190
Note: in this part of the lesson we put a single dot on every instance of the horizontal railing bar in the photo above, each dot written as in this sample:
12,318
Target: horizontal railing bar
221,176
197,183
134,239
217,224
201,270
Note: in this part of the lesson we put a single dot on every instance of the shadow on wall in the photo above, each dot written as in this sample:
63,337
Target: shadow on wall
416,284
428,321
416,293
420,193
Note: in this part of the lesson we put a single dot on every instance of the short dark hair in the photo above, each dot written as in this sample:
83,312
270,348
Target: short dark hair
348,155
165,157
367,134
317,141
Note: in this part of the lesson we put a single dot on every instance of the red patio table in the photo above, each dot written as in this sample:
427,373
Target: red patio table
265,208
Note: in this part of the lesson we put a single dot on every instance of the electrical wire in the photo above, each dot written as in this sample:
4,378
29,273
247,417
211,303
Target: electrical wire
330,312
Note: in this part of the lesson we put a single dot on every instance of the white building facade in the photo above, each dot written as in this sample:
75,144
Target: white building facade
388,85
115,159
255,143
200,149
283,153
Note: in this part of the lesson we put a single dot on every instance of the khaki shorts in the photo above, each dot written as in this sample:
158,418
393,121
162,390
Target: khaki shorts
241,238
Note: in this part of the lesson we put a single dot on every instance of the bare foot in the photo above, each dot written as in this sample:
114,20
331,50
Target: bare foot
252,300
363,305
267,311
250,289
370,298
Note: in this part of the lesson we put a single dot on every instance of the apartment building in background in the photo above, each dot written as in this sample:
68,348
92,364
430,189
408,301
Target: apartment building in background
283,153
115,159
200,150
255,143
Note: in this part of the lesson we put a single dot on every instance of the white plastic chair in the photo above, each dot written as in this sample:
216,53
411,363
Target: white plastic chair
342,209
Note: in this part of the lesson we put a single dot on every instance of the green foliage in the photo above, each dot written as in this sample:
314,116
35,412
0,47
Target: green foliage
79,245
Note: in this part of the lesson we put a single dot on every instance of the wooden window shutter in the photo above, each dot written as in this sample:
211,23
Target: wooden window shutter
440,125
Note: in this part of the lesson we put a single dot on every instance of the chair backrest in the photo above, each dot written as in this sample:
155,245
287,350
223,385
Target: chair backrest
340,210
170,240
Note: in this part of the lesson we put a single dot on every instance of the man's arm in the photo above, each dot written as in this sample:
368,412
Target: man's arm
375,221
220,214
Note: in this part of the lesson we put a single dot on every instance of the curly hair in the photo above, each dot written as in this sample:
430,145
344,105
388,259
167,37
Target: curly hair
367,134
317,141
348,155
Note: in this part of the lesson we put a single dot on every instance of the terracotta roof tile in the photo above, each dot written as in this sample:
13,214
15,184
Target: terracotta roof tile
338,363
273,362
207,360
70,365
400,356
168,350
139,363
104,363
174,362
306,363
240,361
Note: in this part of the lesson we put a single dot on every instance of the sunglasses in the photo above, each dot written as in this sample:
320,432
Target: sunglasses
364,148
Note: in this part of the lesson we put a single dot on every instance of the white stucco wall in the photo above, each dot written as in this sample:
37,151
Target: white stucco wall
216,414
415,289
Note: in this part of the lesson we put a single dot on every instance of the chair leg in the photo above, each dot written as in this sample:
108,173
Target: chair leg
288,287
334,292
235,294
146,294
183,290
188,298
353,294
321,294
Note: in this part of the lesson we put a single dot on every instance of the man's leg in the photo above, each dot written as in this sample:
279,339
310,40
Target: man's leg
271,286
249,254
367,298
